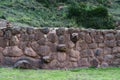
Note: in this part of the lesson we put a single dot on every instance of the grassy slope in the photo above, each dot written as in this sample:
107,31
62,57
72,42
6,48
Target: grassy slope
32,13
78,74
35,14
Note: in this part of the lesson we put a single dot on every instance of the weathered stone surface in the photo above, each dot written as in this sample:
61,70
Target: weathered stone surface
101,45
74,37
53,64
117,55
108,58
109,36
16,31
86,53
74,53
47,59
73,59
94,63
30,30
3,42
52,37
110,43
115,50
61,56
31,37
116,62
45,30
14,41
30,52
61,39
92,45
38,35
12,51
84,62
99,38
107,50
70,44
82,35
1,56
35,46
98,52
1,33
88,39
26,63
44,50
42,41
74,64
22,45
104,65
61,48
118,42
53,47
118,35
8,62
83,45
60,31
24,37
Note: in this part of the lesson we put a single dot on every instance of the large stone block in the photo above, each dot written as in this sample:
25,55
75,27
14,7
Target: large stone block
110,43
82,44
44,50
92,45
3,42
98,52
109,36
74,53
24,37
14,41
99,38
107,50
30,52
118,42
35,46
117,55
52,37
101,45
62,40
61,56
12,51
108,58
84,62
60,31
88,38
38,35
1,33
94,63
30,30
45,30
86,53
104,65
42,41
70,44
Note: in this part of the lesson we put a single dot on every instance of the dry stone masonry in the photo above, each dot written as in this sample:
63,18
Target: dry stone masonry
49,48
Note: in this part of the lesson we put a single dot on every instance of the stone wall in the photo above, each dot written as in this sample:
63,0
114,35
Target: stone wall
59,48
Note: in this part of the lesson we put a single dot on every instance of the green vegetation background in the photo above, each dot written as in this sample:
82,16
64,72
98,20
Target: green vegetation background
52,13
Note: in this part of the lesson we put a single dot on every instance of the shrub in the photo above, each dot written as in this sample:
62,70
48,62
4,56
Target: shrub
96,17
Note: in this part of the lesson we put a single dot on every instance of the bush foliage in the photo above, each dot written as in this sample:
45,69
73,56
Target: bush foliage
96,17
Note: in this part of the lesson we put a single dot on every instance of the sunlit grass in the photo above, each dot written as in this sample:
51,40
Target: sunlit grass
74,74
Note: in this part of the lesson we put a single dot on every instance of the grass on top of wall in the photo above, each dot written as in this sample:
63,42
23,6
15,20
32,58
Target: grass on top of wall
73,74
